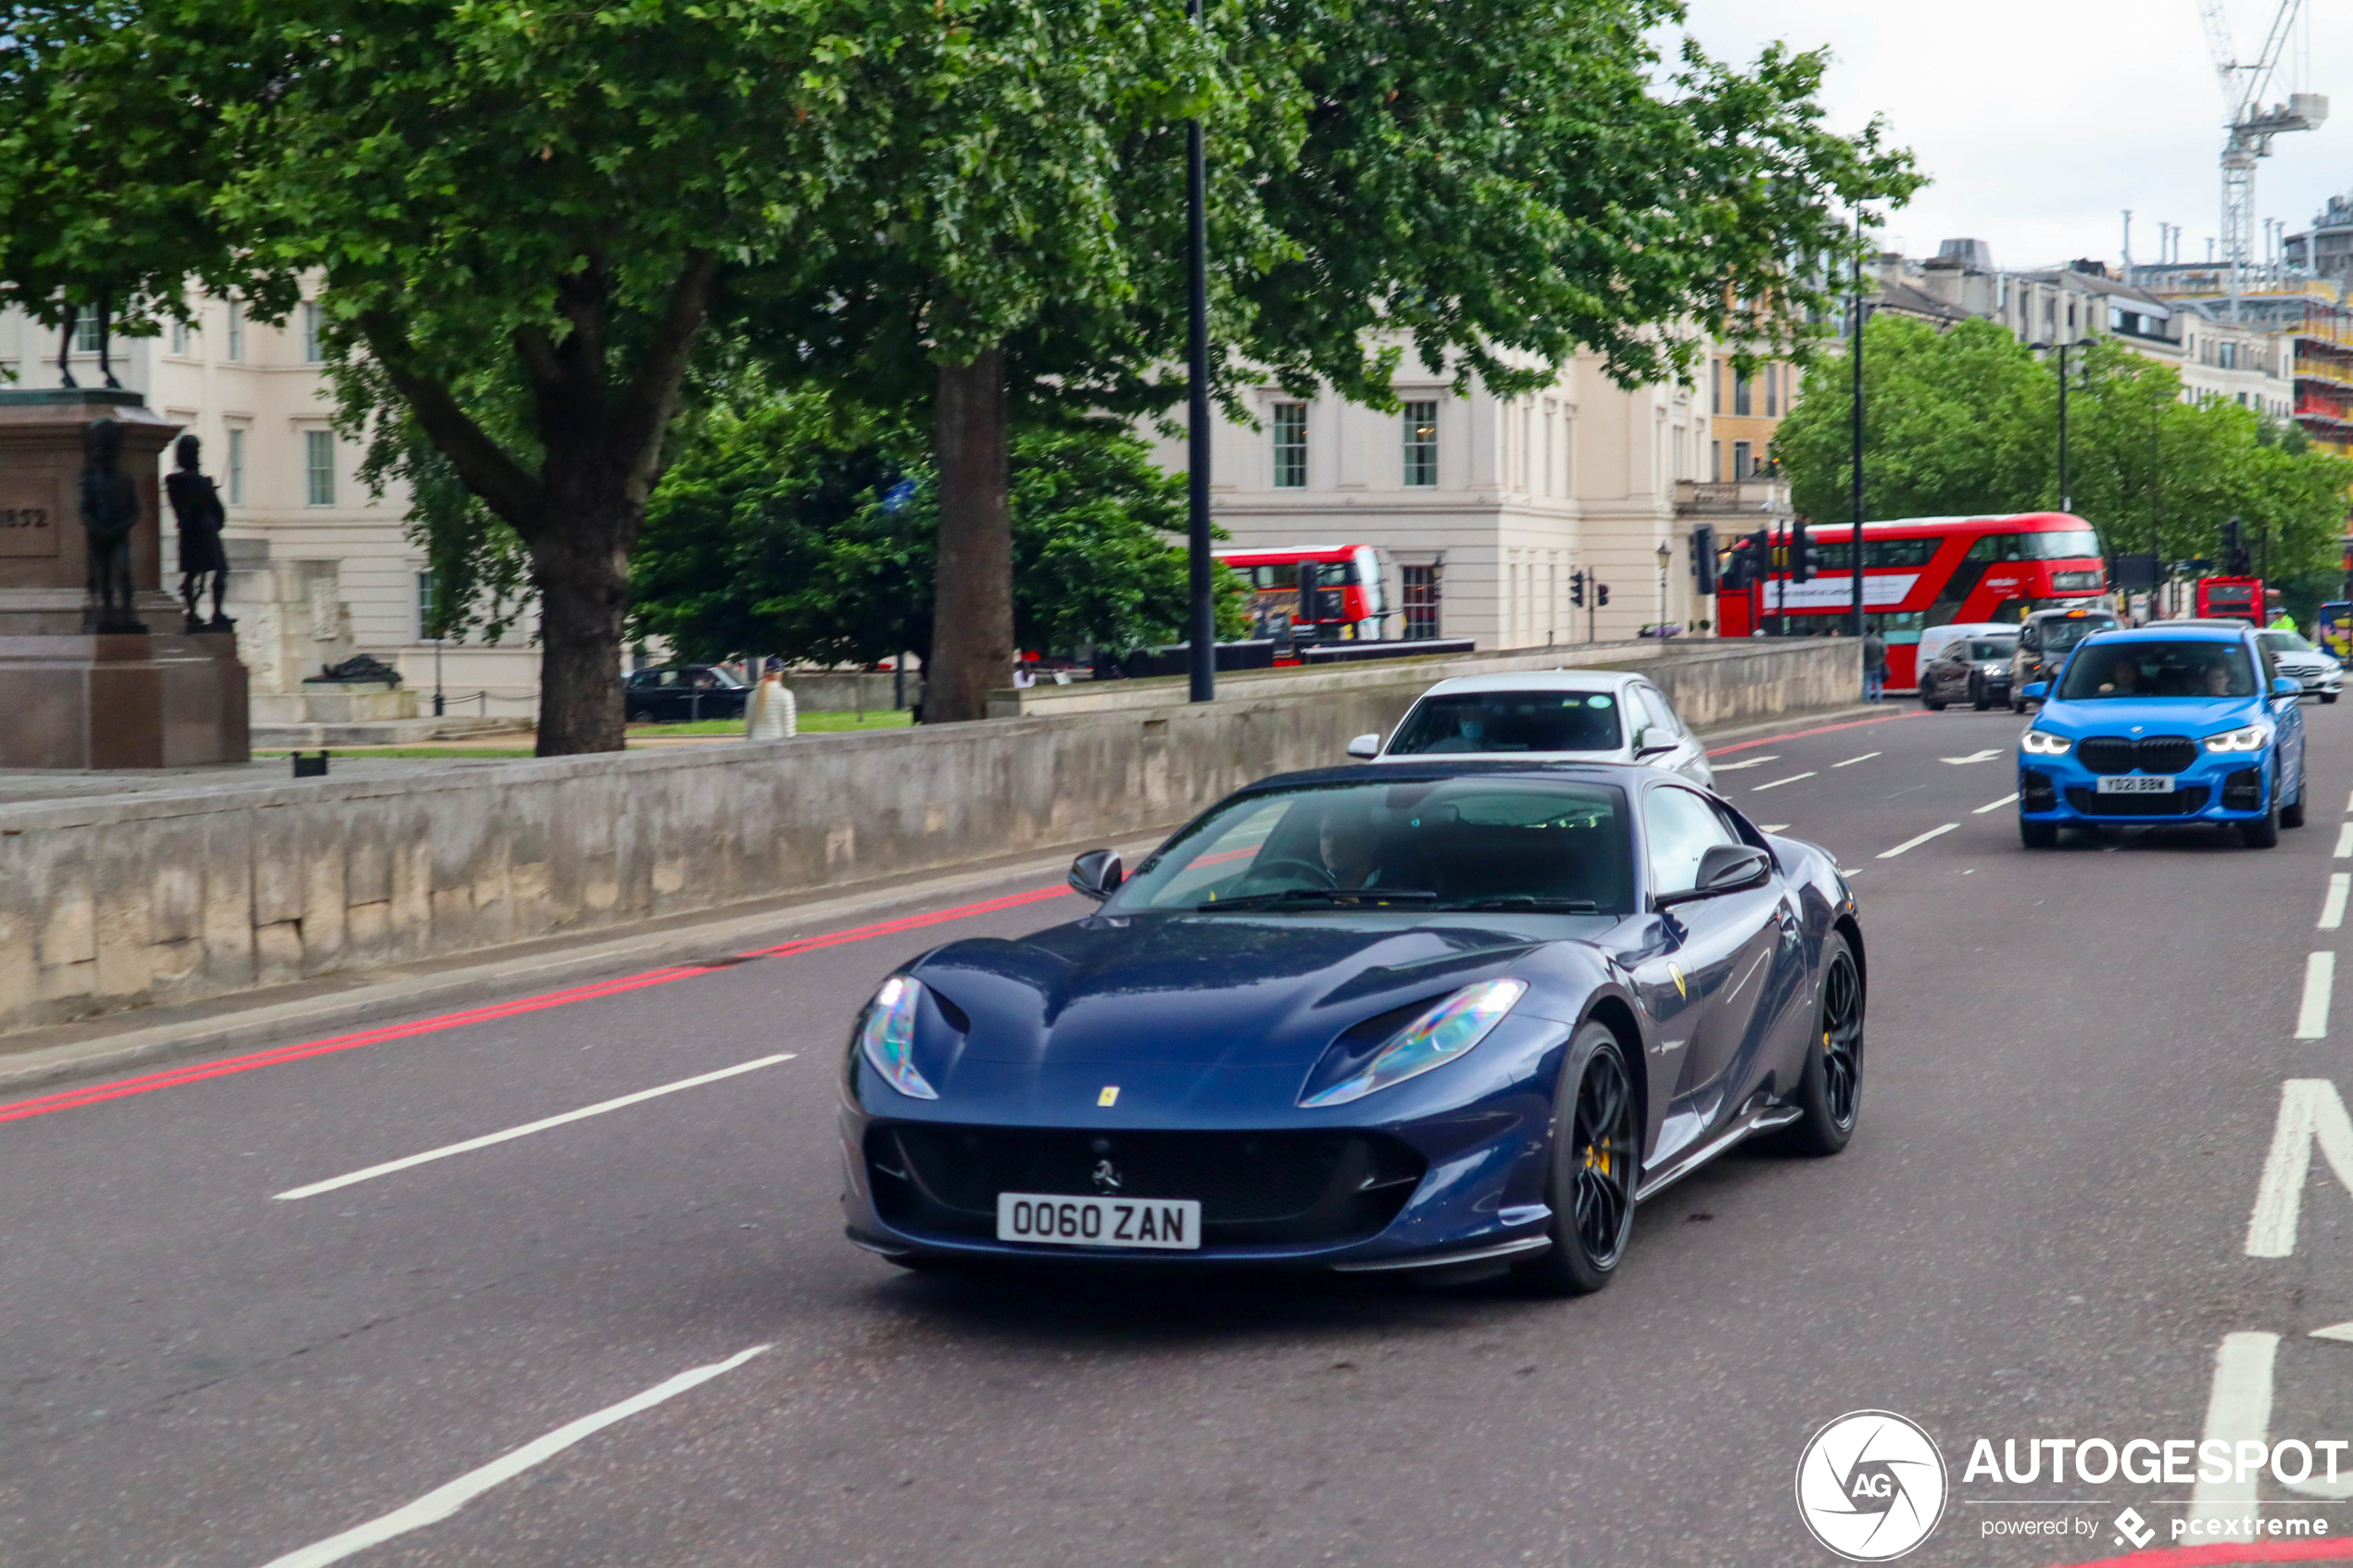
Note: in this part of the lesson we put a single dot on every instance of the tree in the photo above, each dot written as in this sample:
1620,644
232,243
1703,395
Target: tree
797,527
1488,184
526,219
1966,422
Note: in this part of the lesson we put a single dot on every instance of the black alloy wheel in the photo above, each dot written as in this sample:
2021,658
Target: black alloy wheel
1596,1166
1830,1088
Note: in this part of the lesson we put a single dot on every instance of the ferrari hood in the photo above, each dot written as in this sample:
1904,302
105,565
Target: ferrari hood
1198,990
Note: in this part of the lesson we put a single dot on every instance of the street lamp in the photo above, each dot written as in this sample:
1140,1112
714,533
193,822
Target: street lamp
1666,560
1201,655
2067,497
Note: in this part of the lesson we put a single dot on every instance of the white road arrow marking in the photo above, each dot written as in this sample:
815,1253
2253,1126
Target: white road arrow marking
2238,1409
2342,1331
1736,767
1985,755
2310,1112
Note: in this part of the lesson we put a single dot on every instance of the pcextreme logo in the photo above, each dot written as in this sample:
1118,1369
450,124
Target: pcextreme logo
1870,1486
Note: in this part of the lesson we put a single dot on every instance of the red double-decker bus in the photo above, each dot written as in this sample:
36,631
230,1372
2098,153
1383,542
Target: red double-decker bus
1924,572
1335,589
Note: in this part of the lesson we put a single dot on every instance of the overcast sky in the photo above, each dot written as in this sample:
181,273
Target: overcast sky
2038,122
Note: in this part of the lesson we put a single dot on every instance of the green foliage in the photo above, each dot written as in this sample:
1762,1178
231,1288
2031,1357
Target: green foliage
1966,422
795,528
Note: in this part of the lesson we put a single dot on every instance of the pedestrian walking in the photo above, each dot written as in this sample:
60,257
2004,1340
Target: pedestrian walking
772,714
1874,665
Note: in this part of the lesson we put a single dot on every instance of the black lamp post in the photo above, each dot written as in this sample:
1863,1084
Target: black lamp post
1862,312
2067,497
1201,655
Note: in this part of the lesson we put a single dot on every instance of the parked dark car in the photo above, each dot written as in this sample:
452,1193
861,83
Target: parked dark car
1975,670
2044,639
675,694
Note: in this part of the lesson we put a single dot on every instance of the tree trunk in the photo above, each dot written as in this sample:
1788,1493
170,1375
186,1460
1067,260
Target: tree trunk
581,566
972,639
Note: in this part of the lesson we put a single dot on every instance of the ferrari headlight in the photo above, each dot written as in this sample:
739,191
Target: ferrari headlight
2041,743
2255,737
1438,1036
887,1036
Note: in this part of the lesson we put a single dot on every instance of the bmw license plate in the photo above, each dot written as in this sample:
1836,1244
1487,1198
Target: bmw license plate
1169,1223
2137,784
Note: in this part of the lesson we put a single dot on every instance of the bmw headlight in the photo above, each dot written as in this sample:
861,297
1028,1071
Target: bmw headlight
2041,743
887,1035
2255,737
1438,1036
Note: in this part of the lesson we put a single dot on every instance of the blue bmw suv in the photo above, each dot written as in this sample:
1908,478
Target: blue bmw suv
2163,724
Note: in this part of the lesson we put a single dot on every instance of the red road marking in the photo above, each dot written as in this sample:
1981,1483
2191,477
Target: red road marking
90,1094
2222,1554
1826,729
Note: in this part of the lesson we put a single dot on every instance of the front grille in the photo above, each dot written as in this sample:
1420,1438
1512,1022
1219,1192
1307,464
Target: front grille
2151,754
2178,803
1256,1188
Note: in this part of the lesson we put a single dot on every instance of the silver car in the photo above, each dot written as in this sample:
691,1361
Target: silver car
2313,669
1546,716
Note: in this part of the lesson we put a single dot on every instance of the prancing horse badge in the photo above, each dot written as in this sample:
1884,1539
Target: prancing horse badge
1109,1095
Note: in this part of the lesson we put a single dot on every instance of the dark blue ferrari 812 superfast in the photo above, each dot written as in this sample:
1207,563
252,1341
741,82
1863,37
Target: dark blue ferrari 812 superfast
1456,1018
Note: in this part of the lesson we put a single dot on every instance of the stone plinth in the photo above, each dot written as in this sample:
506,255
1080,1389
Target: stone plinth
67,699
158,701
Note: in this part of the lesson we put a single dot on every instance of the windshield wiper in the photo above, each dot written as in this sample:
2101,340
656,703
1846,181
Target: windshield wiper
1531,902
1346,897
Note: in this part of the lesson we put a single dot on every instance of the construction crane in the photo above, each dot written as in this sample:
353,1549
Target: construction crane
2251,126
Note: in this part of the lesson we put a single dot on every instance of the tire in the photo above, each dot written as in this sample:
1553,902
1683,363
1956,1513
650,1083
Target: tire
2038,836
2292,814
1977,697
2327,698
1830,1086
2017,705
1596,1164
2264,832
1933,704
637,716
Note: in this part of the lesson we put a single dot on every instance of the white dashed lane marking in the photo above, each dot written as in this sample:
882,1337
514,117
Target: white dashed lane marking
1992,805
1778,783
2332,906
1869,755
1916,843
1745,762
2344,842
2312,1016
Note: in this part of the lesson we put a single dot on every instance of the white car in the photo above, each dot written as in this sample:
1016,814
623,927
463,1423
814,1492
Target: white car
1545,716
2313,669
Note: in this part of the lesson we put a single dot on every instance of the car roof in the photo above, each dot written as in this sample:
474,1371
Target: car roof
2169,631
1623,775
1536,681
2068,612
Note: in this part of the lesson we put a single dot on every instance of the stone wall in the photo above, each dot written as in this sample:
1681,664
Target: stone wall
172,896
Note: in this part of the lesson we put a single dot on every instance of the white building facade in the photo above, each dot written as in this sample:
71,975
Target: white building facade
1482,507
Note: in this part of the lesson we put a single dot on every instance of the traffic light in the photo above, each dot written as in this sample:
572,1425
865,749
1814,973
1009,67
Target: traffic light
2237,562
1704,560
1804,558
1601,594
1576,587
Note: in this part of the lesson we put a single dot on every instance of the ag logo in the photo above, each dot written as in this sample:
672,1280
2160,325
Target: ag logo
1870,1486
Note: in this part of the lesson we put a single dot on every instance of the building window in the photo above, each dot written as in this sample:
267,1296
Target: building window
1740,460
180,337
1291,446
314,350
236,466
318,467
1772,391
2229,356
424,606
86,332
236,332
1715,461
1421,443
1741,396
1420,600
1716,386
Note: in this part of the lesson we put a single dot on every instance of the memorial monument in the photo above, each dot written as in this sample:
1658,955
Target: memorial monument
97,669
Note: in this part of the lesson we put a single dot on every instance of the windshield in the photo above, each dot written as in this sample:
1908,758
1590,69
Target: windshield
2065,634
1991,650
1460,721
1445,844
2286,642
2058,544
2146,669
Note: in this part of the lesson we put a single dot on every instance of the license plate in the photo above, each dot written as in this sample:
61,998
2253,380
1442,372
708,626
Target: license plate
2137,784
1169,1223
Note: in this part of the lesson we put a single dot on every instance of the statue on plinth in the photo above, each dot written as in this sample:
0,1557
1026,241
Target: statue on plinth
109,512
195,503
